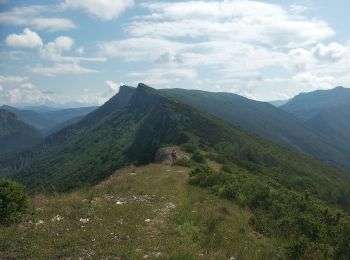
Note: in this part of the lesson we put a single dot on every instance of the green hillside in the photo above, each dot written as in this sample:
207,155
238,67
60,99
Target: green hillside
327,112
132,134
298,203
307,105
267,121
15,135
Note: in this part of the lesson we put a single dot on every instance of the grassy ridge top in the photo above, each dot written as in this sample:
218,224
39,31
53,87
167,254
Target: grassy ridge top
141,212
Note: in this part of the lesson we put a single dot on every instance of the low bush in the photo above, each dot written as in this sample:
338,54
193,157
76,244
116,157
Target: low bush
309,228
190,148
184,162
13,202
198,157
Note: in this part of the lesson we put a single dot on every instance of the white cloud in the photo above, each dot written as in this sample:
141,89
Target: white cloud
62,68
309,79
297,9
331,52
101,97
80,50
28,39
300,58
53,50
113,86
164,76
228,39
32,16
16,89
246,21
52,24
104,10
137,49
12,79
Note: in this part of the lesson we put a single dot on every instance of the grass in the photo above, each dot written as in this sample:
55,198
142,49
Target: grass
144,212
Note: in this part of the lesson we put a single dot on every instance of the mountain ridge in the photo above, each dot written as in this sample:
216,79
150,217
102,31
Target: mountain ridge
265,120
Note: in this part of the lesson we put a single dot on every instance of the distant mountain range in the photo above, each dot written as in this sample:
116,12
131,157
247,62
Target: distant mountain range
326,112
46,118
15,135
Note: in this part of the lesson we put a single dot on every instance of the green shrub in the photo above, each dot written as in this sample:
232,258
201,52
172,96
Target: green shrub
13,202
190,148
184,162
198,157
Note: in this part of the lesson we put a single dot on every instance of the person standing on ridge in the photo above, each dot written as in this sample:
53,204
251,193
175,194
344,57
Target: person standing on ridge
173,155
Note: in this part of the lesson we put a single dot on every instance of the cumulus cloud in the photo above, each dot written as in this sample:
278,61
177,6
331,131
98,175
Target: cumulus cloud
227,38
53,50
28,39
331,52
103,10
16,89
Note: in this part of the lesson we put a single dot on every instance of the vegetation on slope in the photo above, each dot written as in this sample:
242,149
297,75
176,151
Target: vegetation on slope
269,122
133,134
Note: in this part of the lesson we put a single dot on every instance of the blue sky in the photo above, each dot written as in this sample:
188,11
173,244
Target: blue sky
56,52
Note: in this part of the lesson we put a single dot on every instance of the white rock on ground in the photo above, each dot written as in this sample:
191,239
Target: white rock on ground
84,220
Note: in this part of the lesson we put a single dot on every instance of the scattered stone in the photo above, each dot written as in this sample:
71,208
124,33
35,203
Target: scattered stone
39,222
84,220
56,218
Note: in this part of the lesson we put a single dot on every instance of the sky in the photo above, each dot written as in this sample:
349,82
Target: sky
81,51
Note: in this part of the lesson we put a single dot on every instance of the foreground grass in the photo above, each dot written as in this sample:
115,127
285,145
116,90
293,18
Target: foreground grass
146,212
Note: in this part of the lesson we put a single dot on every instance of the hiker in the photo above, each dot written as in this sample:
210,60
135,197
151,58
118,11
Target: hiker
173,155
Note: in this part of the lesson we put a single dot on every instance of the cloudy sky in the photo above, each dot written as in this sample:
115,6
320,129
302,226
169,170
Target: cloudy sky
82,50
